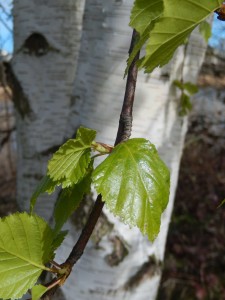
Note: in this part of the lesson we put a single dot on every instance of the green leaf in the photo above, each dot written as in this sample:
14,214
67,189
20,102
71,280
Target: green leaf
86,135
190,88
142,18
46,185
179,19
185,104
144,12
25,248
138,45
134,183
68,165
59,238
38,291
179,84
205,30
187,86
70,198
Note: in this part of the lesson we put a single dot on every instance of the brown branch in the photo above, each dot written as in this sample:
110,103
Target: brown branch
123,134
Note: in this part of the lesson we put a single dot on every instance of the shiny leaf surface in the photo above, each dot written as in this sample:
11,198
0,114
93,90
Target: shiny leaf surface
134,183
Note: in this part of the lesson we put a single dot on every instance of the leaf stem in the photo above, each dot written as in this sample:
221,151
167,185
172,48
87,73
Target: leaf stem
123,134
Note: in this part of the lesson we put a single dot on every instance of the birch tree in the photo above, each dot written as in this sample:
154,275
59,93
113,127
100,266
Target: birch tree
118,263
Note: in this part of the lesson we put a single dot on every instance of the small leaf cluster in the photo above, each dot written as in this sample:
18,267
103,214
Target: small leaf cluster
133,181
187,90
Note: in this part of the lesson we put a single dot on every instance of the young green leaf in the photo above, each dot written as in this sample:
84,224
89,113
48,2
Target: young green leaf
205,30
144,12
68,165
141,40
179,19
59,238
134,183
86,135
25,248
143,15
37,291
185,104
190,88
45,185
70,198
179,84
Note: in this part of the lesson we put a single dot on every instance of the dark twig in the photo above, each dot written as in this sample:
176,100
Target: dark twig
126,116
124,131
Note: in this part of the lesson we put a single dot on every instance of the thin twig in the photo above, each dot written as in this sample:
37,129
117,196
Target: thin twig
124,131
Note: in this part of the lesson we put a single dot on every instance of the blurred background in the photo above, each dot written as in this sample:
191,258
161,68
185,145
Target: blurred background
195,261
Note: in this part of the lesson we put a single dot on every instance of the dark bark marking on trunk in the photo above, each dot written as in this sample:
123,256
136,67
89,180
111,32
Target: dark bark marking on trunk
146,271
37,44
120,251
19,98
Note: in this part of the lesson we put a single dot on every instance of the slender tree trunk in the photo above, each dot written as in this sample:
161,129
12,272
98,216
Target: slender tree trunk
119,263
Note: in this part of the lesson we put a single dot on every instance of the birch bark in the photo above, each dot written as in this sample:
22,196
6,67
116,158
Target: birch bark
125,265
46,40
122,264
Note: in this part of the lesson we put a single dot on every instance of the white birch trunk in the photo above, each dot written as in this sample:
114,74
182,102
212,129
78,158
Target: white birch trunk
47,40
124,264
99,90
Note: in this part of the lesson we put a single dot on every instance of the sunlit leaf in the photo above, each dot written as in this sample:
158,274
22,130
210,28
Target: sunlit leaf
25,248
143,15
70,162
134,183
144,12
38,291
179,19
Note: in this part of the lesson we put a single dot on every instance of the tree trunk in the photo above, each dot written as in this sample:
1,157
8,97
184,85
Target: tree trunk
119,263
47,41
123,264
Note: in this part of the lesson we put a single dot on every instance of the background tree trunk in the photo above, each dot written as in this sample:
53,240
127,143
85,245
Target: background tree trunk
119,263
47,40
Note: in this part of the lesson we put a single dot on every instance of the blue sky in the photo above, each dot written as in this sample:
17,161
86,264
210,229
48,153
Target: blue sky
6,40
218,33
